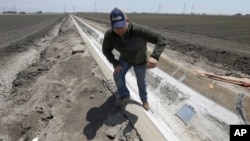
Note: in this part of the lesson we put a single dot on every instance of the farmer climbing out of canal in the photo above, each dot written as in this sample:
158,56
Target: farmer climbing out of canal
130,40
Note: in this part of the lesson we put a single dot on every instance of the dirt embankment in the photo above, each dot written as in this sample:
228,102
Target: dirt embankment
62,97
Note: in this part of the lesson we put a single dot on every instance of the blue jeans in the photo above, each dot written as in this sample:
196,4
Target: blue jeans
140,72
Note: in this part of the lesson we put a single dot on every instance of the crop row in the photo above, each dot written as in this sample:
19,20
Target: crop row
14,27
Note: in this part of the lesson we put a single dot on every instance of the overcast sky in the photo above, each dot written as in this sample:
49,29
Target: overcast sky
159,6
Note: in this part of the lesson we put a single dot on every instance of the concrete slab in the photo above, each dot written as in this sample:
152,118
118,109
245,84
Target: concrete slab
144,126
225,94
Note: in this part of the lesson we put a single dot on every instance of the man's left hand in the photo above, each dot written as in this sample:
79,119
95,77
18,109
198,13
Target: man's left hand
151,63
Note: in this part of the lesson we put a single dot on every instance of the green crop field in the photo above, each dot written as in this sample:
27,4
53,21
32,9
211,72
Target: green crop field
235,28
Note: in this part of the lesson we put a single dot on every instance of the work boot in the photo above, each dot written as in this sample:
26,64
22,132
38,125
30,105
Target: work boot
145,105
121,101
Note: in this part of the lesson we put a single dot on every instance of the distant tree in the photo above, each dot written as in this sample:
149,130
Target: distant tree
39,12
238,14
9,12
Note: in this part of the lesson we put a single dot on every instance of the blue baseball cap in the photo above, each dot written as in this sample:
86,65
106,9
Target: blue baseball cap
117,18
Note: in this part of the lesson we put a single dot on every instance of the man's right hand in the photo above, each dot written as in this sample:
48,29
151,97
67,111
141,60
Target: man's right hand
117,70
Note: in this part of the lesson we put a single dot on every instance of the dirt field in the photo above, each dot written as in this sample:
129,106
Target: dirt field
51,93
60,96
220,41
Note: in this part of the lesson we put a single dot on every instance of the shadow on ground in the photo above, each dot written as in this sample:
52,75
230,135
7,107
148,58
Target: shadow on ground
110,115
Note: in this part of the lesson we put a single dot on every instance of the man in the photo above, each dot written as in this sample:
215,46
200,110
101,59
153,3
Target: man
130,40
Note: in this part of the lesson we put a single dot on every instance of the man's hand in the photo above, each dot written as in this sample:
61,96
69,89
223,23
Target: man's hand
151,62
117,70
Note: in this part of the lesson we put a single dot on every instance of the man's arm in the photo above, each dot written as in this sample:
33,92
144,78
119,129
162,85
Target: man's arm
107,49
160,43
156,38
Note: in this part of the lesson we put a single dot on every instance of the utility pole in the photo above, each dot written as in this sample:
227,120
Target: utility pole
64,9
184,8
159,8
95,8
192,11
14,7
